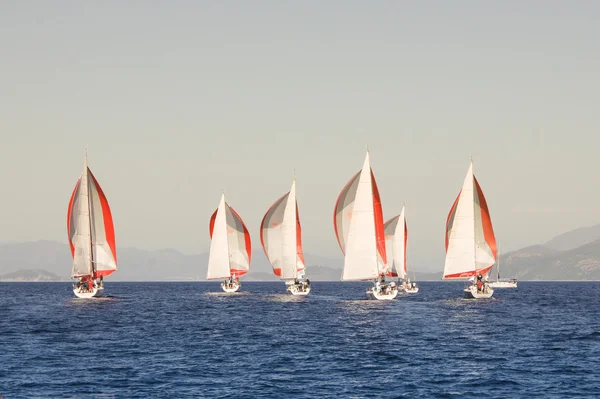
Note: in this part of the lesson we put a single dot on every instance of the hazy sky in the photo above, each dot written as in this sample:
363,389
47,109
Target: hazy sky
178,100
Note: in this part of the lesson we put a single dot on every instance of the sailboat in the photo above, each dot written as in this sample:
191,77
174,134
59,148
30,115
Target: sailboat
358,224
91,236
470,241
281,239
396,237
502,283
230,248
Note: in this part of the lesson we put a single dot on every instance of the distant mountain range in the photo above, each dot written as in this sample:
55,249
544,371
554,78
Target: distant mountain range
540,262
21,262
31,275
574,255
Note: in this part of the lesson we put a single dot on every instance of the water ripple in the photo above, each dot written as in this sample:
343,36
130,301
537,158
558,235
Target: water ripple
179,340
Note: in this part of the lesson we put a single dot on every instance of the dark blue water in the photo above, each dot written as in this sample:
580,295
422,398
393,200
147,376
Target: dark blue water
180,340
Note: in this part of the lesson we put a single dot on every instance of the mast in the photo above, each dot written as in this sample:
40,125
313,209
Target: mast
473,202
87,187
227,236
374,230
295,227
379,272
404,233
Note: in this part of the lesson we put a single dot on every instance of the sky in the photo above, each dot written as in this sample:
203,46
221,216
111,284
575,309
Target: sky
177,101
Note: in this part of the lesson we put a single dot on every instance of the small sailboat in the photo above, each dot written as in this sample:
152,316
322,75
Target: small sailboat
396,237
502,283
470,241
358,224
230,248
281,239
91,236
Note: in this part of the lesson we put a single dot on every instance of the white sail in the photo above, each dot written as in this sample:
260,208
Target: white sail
289,251
218,259
90,229
358,221
467,250
230,248
395,239
281,238
82,234
238,240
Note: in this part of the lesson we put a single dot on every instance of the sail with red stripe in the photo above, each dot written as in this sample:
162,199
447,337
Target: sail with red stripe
90,229
358,224
230,247
470,240
396,237
281,237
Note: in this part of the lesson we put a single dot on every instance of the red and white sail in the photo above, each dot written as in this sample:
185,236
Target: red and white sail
470,241
358,224
90,229
230,248
396,236
281,237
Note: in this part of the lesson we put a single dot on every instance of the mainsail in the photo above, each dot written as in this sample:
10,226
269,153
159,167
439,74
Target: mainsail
396,236
230,248
90,229
358,224
281,236
470,240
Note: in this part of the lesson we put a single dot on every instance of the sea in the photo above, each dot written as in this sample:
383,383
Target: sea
190,340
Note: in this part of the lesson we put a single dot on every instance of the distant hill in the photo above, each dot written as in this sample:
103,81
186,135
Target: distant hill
574,238
542,263
574,255
31,275
142,265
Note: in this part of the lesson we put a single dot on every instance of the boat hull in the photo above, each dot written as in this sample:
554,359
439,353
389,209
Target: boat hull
471,293
95,293
298,289
372,293
231,287
503,284
411,290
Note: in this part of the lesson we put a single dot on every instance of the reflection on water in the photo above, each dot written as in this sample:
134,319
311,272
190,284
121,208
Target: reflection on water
92,301
286,298
227,294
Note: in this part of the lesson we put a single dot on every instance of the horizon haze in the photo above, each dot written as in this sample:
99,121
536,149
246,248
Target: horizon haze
179,101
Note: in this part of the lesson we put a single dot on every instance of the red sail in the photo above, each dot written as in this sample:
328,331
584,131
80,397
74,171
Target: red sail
299,238
379,229
486,221
246,241
405,242
109,229
69,214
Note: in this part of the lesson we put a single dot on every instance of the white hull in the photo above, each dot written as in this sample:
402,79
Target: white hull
503,284
96,292
235,286
391,293
471,293
298,289
411,290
